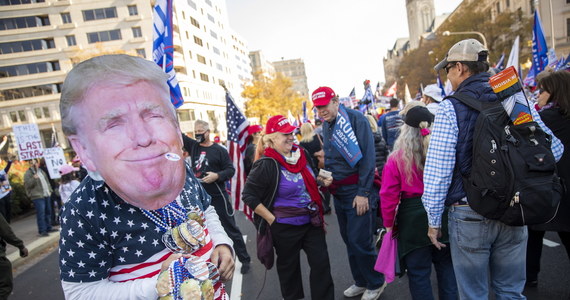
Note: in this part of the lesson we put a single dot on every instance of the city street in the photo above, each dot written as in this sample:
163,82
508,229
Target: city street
42,278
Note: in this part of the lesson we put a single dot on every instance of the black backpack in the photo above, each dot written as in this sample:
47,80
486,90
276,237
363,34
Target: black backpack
513,176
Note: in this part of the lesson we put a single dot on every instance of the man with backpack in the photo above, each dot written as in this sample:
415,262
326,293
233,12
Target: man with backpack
390,123
480,246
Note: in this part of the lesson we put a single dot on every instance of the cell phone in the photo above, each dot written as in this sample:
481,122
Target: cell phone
324,173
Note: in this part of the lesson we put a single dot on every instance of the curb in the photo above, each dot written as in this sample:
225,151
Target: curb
34,248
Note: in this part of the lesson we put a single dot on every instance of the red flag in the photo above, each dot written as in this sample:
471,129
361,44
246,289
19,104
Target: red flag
237,136
392,90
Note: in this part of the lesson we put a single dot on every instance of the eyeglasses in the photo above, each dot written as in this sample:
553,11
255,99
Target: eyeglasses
448,67
540,91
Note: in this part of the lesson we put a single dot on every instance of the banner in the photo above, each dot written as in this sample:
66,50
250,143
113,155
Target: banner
514,55
54,160
507,86
344,139
539,47
29,141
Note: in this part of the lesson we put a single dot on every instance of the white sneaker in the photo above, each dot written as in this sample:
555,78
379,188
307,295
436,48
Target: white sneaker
374,294
354,290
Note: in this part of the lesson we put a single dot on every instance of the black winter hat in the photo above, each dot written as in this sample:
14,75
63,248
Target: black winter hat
416,115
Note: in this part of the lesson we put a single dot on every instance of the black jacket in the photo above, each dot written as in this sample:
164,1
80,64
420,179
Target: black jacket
381,151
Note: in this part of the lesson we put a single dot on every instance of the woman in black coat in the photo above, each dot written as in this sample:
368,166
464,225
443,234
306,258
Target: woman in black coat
554,110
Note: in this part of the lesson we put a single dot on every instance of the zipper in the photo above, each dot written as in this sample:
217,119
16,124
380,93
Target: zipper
493,146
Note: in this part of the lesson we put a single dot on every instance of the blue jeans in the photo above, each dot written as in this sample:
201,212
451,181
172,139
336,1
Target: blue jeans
481,248
357,232
418,264
43,214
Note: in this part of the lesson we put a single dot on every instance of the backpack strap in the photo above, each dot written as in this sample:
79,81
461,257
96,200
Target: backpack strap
467,100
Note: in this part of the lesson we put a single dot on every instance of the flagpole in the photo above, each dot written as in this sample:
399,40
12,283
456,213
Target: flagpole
552,26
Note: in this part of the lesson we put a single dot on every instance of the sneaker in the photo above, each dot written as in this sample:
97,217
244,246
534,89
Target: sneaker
44,234
353,291
245,267
374,294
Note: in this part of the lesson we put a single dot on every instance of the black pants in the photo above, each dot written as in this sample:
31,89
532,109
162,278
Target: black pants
6,207
288,241
224,210
534,251
6,280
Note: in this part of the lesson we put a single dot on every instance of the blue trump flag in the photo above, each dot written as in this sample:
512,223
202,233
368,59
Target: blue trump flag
162,49
366,100
344,139
539,47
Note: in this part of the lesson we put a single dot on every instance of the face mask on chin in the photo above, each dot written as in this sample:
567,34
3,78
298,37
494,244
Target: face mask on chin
200,137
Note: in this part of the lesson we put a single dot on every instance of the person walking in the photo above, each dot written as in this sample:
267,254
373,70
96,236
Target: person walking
282,191
5,191
346,133
390,123
401,193
554,105
484,251
8,236
432,97
39,191
212,166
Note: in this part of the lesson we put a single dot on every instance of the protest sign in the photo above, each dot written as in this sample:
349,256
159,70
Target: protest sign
29,141
507,86
54,160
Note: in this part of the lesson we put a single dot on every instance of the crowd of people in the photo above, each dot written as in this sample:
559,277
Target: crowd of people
148,215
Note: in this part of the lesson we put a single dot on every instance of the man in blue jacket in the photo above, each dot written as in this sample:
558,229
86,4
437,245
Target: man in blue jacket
349,154
483,250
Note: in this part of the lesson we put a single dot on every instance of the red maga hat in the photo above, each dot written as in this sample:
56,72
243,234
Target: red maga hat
279,124
322,96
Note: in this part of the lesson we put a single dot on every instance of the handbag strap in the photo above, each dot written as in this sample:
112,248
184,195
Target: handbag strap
319,137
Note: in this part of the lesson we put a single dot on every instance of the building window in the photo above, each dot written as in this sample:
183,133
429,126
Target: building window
219,66
103,36
186,115
216,50
194,22
32,91
198,41
209,3
141,52
137,32
211,18
66,18
204,77
26,69
213,34
24,46
18,2
24,22
201,59
42,112
18,116
498,7
70,40
99,14
133,10
567,30
192,4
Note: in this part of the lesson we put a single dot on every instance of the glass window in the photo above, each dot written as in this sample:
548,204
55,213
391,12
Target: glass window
141,52
133,10
38,112
201,59
192,4
194,22
209,3
18,2
46,112
14,116
23,46
137,32
198,40
204,77
99,14
26,69
216,50
66,18
24,22
32,91
103,36
213,34
211,18
70,40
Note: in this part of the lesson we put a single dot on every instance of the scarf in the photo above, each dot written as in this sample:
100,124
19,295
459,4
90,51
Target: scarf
299,166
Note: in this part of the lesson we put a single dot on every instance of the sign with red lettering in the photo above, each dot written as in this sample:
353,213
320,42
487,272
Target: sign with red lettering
29,141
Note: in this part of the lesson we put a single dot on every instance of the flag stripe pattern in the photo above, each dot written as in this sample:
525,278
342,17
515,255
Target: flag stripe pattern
162,48
237,136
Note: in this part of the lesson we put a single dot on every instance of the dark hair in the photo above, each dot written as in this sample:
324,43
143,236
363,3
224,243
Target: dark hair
67,177
318,122
557,84
394,102
476,67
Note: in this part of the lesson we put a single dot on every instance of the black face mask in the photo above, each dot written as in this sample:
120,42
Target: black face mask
200,137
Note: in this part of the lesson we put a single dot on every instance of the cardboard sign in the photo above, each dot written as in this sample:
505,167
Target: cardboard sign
54,160
507,86
29,141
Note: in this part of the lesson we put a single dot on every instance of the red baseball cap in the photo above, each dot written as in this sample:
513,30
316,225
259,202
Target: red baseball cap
216,139
322,96
254,129
279,124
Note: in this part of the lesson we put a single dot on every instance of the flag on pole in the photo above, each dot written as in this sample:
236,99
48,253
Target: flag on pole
514,55
367,99
305,116
54,139
237,136
440,84
407,95
499,65
391,92
162,48
352,96
561,62
539,47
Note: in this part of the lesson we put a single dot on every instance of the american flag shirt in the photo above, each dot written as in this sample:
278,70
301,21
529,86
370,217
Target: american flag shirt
104,237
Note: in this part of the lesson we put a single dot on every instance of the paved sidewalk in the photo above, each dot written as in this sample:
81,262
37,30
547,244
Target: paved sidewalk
27,230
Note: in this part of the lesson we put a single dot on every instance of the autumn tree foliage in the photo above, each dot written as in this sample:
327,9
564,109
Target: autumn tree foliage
269,96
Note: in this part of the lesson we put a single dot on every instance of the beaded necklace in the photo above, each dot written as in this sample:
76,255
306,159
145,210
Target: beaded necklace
166,217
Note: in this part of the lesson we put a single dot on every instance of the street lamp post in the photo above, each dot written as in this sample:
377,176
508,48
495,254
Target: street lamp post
447,33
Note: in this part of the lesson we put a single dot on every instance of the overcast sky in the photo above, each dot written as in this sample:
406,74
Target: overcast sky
342,42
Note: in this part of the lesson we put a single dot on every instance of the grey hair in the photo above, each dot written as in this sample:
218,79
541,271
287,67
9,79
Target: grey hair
114,70
202,124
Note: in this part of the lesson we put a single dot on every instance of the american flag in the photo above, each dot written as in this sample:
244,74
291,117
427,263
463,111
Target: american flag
237,136
162,48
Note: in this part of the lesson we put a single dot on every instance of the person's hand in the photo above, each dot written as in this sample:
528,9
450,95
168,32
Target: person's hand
210,177
165,264
4,138
361,205
271,220
434,234
325,181
222,257
23,252
388,229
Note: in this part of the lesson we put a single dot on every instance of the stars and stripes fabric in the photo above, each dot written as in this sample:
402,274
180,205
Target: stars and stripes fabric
352,96
105,238
237,136
163,49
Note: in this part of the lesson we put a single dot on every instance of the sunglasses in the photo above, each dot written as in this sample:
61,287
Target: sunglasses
448,67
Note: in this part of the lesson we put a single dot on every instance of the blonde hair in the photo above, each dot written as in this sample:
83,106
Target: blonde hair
265,141
307,132
372,122
411,146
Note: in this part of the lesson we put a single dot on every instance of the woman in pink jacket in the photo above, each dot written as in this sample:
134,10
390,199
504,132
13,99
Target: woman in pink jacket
402,209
